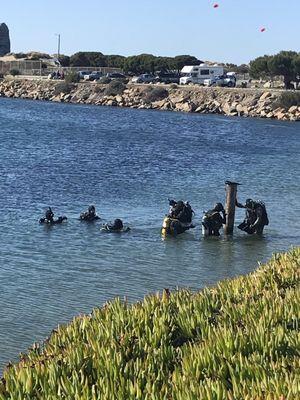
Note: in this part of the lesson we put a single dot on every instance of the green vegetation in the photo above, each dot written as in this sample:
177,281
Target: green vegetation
135,64
236,341
151,94
285,63
63,87
104,80
288,99
114,87
72,77
14,72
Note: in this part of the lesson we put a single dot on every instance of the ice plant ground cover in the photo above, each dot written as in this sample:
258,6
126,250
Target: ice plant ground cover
238,340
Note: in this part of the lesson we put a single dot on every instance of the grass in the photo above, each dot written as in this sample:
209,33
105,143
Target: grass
236,341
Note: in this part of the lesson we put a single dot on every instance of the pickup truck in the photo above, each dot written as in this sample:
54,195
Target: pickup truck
222,80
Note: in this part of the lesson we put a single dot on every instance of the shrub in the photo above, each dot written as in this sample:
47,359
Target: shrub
72,77
288,99
152,94
238,340
14,72
104,80
114,88
63,87
20,55
98,89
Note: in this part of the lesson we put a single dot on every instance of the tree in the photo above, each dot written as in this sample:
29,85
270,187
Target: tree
64,60
285,64
259,67
115,61
282,64
182,60
88,59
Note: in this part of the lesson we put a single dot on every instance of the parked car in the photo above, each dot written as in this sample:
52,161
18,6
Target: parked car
81,74
144,78
167,77
222,80
93,76
115,75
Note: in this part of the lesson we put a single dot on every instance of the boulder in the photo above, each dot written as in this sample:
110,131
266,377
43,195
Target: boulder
265,95
4,40
293,109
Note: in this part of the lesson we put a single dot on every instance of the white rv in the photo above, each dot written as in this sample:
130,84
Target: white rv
197,73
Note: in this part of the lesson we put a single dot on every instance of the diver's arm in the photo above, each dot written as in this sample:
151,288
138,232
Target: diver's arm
239,205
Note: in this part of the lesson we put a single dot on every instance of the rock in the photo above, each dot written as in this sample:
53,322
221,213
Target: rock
185,107
270,115
200,108
293,109
119,98
281,116
4,40
265,95
158,104
267,85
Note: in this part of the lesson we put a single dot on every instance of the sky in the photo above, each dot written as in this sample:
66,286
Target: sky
228,33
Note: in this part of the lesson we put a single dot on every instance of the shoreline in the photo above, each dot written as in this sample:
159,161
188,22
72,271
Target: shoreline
257,103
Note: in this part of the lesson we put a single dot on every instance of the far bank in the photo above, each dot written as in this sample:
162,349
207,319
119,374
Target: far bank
258,103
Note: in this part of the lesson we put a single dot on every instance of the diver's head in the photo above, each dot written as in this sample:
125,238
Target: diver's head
180,204
118,224
249,203
172,203
218,207
92,209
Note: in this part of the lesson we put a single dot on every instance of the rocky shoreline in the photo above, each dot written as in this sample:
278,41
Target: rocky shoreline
257,103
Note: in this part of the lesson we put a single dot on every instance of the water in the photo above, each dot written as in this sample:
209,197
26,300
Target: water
127,163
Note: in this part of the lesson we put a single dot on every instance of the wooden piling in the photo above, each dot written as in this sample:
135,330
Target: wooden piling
231,191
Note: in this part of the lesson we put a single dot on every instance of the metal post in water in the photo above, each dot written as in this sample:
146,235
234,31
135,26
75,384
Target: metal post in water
231,191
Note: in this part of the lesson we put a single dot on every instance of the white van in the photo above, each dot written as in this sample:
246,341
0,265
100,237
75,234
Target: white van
197,73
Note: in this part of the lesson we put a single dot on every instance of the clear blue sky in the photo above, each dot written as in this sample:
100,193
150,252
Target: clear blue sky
229,33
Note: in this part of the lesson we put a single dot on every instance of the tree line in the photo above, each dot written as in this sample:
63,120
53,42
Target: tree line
285,64
138,64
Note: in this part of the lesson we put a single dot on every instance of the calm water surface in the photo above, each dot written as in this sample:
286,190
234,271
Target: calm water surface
127,163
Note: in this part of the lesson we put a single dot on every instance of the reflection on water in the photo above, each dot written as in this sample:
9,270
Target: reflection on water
127,163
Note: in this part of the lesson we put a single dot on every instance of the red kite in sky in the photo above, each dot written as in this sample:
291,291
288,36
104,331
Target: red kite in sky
216,5
262,29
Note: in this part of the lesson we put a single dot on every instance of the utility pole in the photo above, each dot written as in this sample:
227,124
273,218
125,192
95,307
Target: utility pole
231,191
58,44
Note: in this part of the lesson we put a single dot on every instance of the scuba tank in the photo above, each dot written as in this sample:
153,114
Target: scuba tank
165,230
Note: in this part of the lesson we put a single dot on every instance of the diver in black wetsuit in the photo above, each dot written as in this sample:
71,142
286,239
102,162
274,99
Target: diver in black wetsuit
49,218
256,217
213,220
89,215
117,226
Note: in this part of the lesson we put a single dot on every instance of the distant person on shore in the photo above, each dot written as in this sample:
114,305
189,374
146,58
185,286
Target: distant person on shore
89,215
256,217
213,220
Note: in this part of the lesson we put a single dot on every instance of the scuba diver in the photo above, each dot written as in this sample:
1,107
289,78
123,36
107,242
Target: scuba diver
117,227
256,217
49,218
182,211
213,220
89,215
179,218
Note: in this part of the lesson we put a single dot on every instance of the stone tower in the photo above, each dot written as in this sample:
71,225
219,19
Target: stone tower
4,40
